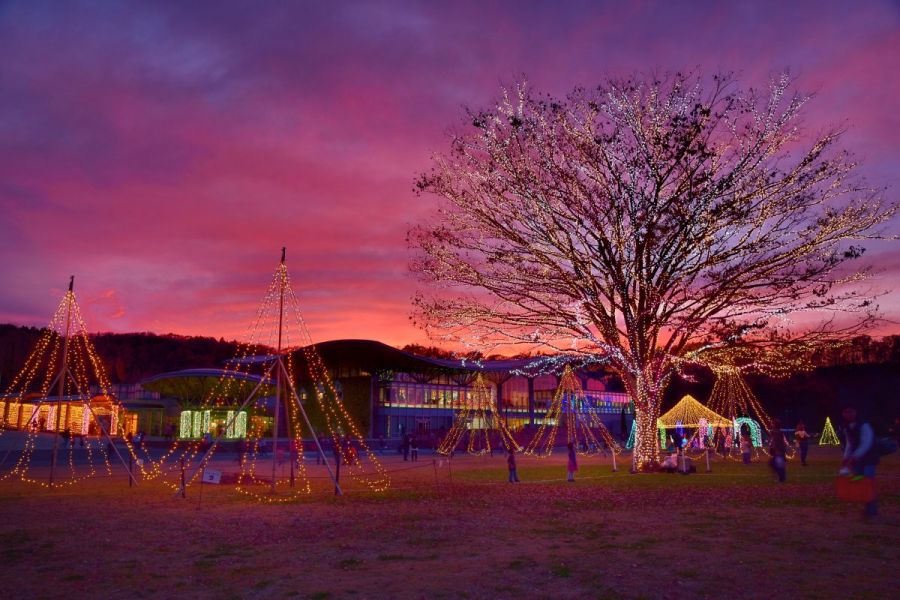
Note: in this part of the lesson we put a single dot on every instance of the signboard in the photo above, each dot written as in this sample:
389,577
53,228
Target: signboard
210,476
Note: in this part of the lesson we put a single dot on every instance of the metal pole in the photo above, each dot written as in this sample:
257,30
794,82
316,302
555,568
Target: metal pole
293,454
200,495
275,431
281,268
103,432
62,375
310,427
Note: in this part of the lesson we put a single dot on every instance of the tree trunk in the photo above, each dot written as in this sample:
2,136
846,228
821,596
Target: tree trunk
646,440
646,394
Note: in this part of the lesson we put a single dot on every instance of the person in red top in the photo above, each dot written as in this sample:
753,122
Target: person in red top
511,463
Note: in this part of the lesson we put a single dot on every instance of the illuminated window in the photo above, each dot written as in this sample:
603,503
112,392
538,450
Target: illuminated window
184,430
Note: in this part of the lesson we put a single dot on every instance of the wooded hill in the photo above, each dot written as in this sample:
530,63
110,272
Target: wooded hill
865,371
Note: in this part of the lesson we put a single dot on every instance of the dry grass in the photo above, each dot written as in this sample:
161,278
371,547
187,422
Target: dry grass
730,533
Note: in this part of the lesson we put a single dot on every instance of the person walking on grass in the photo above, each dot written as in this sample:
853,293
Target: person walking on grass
802,437
511,464
573,462
778,451
861,455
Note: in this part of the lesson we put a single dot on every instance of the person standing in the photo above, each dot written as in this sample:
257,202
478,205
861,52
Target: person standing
860,452
414,449
746,447
573,463
729,442
802,437
778,451
511,464
406,442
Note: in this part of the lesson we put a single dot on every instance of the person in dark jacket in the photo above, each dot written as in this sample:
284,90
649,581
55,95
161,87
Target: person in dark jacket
777,451
572,466
860,452
802,437
511,464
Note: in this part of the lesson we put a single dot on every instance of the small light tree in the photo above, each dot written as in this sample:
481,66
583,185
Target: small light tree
647,225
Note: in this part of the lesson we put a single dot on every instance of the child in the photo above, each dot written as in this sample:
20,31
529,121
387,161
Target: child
511,463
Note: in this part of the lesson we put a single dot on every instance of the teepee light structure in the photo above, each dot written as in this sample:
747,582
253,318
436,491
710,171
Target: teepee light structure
277,334
52,393
689,412
477,422
572,410
732,397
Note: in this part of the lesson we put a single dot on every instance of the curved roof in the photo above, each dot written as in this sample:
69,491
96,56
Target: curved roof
373,356
364,355
196,385
204,373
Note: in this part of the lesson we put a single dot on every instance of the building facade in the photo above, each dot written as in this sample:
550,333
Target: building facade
389,393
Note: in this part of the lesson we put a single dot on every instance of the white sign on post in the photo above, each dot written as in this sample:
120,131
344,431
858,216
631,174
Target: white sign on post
211,476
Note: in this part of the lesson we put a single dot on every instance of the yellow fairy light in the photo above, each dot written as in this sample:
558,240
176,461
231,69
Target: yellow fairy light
648,226
571,409
268,332
65,363
476,421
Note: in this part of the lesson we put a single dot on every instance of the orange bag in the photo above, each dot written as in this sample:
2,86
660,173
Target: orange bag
856,489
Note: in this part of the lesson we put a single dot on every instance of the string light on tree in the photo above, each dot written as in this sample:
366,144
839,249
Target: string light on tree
722,230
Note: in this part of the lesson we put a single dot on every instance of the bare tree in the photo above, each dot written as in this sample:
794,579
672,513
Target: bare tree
647,225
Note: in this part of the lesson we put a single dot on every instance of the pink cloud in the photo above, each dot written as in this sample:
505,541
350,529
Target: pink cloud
164,154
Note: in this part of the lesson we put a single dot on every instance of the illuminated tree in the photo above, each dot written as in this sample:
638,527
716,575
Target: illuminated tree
647,225
732,397
828,437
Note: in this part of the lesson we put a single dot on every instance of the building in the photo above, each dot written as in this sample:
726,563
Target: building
387,391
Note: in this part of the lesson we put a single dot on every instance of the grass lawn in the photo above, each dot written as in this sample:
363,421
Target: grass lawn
731,533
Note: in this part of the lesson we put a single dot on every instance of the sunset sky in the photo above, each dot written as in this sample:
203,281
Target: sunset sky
163,152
